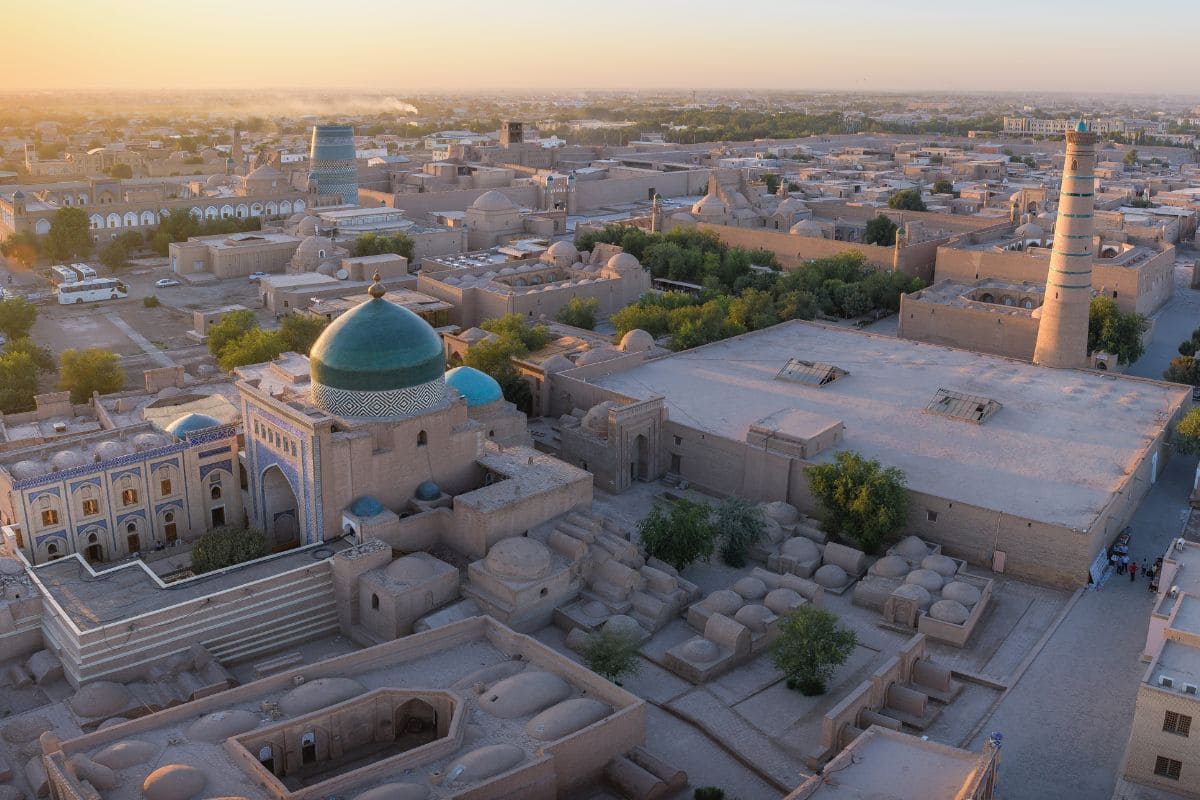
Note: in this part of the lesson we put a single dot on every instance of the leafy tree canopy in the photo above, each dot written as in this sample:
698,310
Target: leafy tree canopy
680,536
18,382
907,200
372,244
82,372
580,312
863,501
810,645
233,325
881,231
17,316
1187,432
70,235
1114,331
611,654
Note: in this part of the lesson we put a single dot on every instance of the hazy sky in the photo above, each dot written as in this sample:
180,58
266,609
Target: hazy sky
413,45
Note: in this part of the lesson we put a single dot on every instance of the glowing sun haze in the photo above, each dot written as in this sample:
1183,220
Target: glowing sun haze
413,45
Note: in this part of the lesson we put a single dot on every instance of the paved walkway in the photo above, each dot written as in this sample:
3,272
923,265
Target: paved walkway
1066,721
156,355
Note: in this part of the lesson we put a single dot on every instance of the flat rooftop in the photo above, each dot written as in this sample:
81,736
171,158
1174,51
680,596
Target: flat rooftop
1178,661
955,293
1012,463
887,765
125,591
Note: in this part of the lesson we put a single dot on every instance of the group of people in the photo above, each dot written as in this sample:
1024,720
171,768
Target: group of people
1124,565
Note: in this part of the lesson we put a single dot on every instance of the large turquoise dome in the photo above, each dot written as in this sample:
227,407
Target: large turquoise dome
477,388
189,423
378,359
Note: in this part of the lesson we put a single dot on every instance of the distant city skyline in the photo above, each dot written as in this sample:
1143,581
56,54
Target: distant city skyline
856,45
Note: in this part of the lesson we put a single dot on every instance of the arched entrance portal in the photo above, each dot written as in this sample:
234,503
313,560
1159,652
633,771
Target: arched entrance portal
639,469
280,510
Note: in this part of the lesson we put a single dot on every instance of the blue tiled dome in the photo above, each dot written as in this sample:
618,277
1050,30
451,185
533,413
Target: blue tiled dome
378,359
478,388
366,506
191,422
428,491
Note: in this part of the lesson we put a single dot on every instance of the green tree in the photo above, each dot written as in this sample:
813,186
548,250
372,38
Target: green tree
372,244
740,524
1113,331
863,501
881,231
942,186
612,654
680,536
1183,369
232,326
772,182
41,356
907,200
810,646
22,247
18,382
121,171
226,546
253,347
580,312
753,310
17,316
300,331
82,372
70,235
514,326
1131,157
1187,432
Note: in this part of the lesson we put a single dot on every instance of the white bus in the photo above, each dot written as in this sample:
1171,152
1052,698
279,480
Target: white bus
83,271
61,274
91,290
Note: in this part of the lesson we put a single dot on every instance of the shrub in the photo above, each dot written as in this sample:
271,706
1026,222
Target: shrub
810,645
611,654
740,524
150,301
226,546
679,536
863,501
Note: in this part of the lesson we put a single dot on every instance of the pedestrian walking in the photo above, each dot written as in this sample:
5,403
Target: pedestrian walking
1133,572
1124,564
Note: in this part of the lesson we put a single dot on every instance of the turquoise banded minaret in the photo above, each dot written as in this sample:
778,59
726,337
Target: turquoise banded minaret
1063,330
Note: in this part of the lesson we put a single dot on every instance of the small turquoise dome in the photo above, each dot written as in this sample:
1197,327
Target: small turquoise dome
478,388
1082,126
191,422
366,506
428,491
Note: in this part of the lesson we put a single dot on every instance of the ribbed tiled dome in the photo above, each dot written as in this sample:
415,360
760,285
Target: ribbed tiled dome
378,360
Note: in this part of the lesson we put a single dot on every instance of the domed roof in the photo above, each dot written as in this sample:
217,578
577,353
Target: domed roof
366,506
26,469
477,388
1030,230
307,227
950,611
313,245
174,782
636,341
890,567
265,172
220,725
377,347
148,441
566,717
319,693
781,601
66,459
961,592
428,490
556,363
191,422
518,558
623,261
831,576
526,692
493,201
564,251
806,227
709,205
410,569
926,578
750,588
701,651
791,205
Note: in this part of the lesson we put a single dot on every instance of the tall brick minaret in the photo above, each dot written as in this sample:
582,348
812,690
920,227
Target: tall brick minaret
1063,330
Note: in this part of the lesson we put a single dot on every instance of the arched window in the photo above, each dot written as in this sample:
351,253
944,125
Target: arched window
374,601
308,748
422,439
215,492
89,501
164,482
48,510
91,538
52,550
131,527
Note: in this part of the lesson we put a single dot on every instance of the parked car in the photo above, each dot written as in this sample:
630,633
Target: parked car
257,276
165,283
